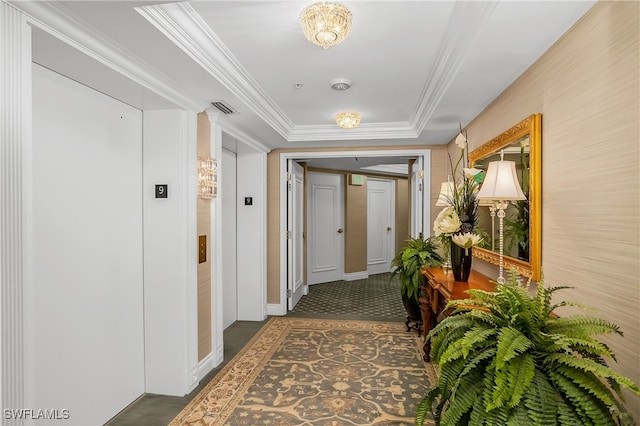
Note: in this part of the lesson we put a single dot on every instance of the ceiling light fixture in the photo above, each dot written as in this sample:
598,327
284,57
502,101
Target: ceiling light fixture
326,24
348,119
340,84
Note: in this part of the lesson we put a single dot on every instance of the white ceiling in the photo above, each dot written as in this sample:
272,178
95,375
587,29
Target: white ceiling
418,69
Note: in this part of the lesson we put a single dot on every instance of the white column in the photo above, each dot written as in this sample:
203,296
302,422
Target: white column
252,269
170,252
217,329
15,121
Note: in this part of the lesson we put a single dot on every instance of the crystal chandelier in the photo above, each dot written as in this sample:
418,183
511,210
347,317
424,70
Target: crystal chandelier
348,119
326,24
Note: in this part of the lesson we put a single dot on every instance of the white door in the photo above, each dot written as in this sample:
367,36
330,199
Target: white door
380,225
325,243
295,237
87,274
228,198
417,198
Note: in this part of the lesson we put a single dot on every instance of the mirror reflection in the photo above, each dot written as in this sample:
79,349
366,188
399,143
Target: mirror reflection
522,231
516,221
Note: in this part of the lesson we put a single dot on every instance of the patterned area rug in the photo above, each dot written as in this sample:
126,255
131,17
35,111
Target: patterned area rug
300,371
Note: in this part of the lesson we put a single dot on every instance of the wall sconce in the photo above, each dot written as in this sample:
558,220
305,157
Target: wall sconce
207,178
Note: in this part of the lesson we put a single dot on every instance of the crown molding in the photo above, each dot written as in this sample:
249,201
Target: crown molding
399,130
466,22
63,24
186,28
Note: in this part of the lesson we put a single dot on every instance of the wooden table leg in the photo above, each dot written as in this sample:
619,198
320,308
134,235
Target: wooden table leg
428,320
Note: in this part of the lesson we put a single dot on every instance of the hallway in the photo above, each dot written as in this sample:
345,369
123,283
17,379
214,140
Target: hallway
373,299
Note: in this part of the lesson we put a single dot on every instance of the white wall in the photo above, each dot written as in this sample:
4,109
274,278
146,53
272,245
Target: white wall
251,182
170,254
85,335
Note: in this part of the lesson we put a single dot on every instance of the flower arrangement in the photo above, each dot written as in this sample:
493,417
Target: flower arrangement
457,222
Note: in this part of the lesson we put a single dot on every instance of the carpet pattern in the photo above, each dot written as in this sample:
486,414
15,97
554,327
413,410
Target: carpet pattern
376,297
300,371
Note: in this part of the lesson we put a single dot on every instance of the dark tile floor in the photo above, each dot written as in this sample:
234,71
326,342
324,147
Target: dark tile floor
159,410
374,299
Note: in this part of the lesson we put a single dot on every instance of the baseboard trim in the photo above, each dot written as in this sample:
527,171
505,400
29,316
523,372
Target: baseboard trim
207,364
276,309
352,276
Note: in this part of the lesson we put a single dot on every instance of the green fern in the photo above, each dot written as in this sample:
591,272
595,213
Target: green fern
504,359
407,264
541,401
510,343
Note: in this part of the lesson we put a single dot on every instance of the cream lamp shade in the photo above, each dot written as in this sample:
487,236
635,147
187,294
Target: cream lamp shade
501,183
446,194
501,186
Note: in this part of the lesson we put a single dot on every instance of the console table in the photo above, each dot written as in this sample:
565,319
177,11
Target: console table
438,289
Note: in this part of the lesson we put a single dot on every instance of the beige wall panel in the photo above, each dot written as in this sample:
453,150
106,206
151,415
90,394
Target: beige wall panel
403,230
355,237
273,227
587,88
440,168
204,269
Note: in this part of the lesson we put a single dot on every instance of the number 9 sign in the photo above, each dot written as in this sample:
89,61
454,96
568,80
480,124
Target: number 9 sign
161,191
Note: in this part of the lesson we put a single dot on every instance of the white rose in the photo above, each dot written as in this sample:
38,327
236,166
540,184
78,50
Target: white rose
447,222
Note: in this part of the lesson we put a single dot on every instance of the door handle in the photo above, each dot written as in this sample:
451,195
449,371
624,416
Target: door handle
388,228
339,230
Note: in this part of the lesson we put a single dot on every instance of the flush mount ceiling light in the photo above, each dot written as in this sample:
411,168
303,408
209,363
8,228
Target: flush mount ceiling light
326,24
348,119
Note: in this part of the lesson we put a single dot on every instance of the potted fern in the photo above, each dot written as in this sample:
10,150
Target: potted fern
416,254
505,359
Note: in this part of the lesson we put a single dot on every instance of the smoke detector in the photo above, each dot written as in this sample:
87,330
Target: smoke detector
340,83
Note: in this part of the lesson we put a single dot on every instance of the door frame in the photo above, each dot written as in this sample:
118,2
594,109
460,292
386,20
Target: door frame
296,232
281,308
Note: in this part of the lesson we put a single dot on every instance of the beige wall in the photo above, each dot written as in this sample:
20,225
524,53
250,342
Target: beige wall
439,169
204,269
273,227
403,230
587,89
355,226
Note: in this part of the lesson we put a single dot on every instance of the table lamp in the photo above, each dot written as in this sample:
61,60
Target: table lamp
446,194
501,186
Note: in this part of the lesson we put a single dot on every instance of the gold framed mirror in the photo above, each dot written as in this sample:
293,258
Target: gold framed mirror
522,224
